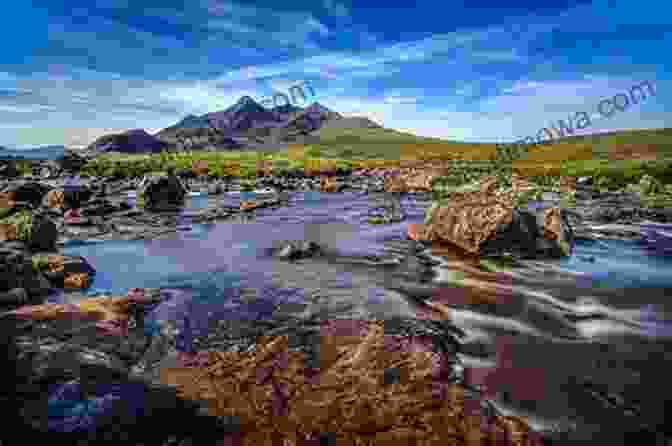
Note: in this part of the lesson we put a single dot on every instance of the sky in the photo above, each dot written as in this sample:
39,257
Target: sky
74,70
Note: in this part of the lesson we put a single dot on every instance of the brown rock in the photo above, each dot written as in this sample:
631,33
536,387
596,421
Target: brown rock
328,184
200,167
567,184
247,205
519,184
55,199
76,281
394,183
276,401
468,219
7,232
552,223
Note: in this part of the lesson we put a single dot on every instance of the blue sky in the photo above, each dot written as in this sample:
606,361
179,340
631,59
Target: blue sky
71,71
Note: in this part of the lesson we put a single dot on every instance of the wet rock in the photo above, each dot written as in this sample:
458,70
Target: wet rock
68,383
8,169
296,250
71,161
102,207
215,189
27,192
486,223
163,192
17,272
44,233
13,298
71,273
184,173
54,199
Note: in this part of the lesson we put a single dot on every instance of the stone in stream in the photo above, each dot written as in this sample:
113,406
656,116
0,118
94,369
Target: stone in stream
33,227
485,223
27,192
163,192
17,273
8,169
296,250
74,388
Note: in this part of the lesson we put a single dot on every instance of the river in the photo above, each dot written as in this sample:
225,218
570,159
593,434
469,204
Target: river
579,345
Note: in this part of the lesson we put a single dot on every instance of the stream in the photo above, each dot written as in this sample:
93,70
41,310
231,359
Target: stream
578,345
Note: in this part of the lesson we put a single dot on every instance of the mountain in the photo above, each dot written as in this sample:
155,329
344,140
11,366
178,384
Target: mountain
242,116
247,124
132,141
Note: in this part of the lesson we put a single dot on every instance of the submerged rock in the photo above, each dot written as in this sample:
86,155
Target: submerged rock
296,250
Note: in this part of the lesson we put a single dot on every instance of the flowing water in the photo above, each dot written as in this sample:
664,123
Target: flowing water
578,344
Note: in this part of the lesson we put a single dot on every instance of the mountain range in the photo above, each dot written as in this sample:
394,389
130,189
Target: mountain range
244,125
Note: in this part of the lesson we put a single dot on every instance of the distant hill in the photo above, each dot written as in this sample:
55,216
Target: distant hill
132,141
247,125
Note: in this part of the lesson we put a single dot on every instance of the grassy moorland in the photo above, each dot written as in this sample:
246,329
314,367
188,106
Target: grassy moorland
618,161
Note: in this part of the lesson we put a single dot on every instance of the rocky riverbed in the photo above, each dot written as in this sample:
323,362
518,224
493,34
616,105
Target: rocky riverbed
295,260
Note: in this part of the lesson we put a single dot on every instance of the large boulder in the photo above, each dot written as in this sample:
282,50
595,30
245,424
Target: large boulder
20,282
486,223
71,161
162,192
27,192
38,231
8,169
68,383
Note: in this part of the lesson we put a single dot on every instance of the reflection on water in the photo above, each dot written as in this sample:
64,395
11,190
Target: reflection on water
578,341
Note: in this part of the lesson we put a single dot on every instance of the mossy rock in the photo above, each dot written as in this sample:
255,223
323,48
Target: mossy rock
23,221
40,262
497,263
376,220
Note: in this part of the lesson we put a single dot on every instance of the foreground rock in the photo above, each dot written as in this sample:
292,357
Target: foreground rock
74,388
383,383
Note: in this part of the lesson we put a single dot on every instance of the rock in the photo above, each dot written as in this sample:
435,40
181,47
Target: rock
70,161
13,298
73,217
44,233
418,180
329,184
7,232
55,199
28,192
215,189
200,168
8,169
163,192
16,271
37,287
584,181
184,174
75,195
74,388
67,272
394,183
484,223
296,250
248,205
102,207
